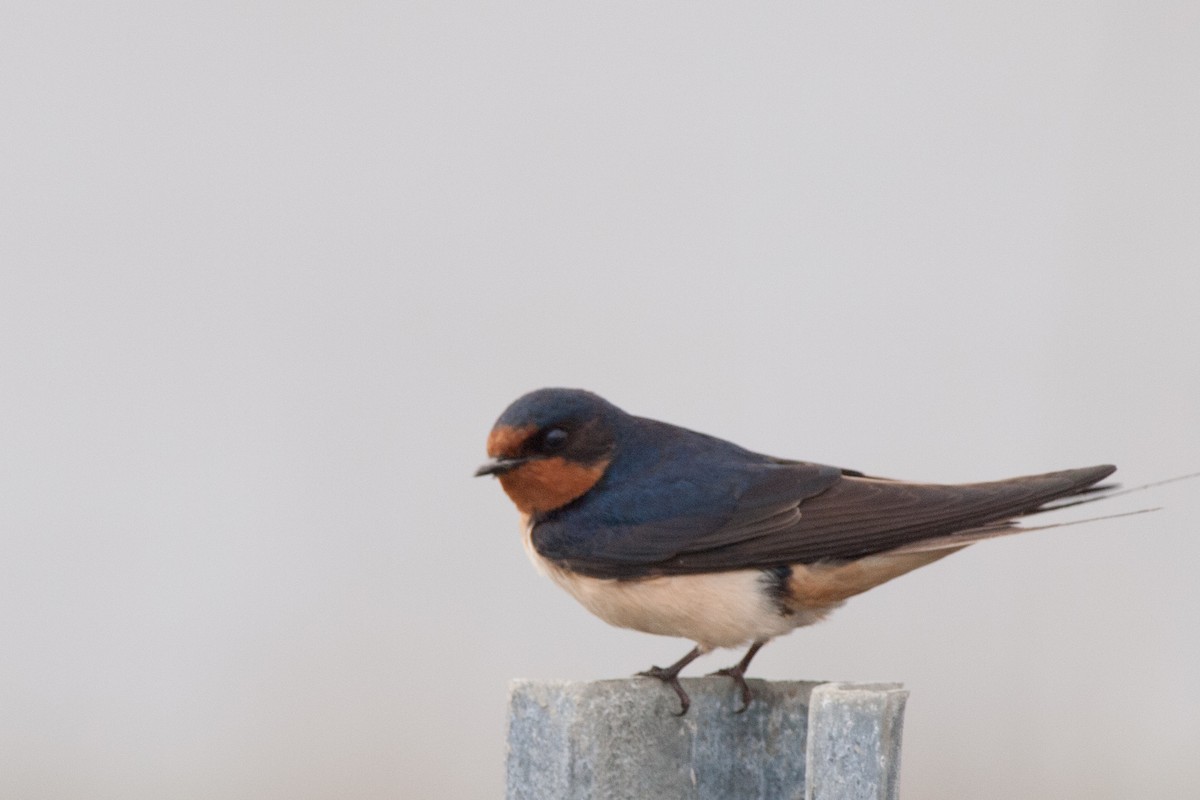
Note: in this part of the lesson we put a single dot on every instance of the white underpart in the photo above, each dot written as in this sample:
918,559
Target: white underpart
720,609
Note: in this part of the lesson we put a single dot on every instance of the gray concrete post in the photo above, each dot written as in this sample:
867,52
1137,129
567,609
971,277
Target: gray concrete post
619,740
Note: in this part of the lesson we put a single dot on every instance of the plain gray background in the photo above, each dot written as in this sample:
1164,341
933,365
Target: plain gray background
271,270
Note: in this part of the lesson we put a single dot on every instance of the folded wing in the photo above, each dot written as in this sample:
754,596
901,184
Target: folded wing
804,513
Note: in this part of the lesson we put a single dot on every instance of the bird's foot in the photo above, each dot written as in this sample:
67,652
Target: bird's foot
738,673
670,676
739,679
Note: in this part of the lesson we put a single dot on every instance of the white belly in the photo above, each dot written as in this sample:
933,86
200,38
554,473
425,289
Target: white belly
720,609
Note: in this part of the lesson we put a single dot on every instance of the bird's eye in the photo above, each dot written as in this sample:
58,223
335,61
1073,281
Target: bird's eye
554,439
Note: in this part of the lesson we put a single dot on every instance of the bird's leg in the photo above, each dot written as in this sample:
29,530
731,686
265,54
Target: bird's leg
738,673
670,676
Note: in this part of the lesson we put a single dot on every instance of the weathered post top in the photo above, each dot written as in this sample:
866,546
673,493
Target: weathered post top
621,739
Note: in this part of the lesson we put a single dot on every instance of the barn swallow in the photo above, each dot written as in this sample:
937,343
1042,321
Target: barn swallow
668,531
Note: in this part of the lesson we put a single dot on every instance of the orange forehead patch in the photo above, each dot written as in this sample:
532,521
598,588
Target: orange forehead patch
505,441
548,483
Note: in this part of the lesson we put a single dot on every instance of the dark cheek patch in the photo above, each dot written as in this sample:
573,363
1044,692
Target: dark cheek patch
549,483
505,441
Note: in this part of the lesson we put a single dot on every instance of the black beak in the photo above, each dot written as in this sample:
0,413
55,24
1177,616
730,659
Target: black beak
499,466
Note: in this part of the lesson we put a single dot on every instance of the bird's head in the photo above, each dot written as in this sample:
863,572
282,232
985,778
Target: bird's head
551,447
